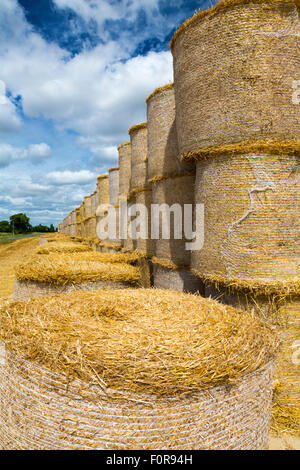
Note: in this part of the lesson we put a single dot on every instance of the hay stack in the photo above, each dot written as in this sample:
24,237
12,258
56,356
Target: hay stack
172,183
103,370
103,195
251,236
283,310
114,199
251,215
124,169
62,247
140,190
50,275
139,157
113,179
240,55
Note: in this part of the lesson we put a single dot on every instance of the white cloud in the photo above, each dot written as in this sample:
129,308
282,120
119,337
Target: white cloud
35,152
9,119
96,93
9,154
67,177
39,152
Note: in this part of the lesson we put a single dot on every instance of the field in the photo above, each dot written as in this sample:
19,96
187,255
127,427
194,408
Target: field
11,254
8,238
16,251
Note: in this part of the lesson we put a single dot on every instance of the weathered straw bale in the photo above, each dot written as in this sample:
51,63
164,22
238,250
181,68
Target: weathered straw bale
125,168
163,160
284,312
181,280
139,156
62,247
145,245
251,218
240,55
113,186
179,190
118,371
76,271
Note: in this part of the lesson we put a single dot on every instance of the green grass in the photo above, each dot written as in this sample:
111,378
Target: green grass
8,238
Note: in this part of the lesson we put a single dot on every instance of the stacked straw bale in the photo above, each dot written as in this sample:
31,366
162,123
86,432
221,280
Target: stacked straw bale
54,274
237,52
158,388
114,199
124,151
246,147
172,183
103,196
140,190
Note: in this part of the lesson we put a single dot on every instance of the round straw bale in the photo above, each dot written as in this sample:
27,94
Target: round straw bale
252,225
113,186
62,247
118,370
125,168
145,245
128,243
179,190
181,280
77,271
139,156
240,56
163,158
283,311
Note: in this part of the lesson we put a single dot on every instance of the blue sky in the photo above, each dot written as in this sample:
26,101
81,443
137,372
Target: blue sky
74,75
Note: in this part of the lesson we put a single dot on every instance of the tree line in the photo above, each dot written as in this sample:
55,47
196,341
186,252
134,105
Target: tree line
20,223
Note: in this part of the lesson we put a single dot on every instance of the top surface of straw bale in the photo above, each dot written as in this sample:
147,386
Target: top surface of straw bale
123,145
62,247
74,268
137,127
222,5
161,89
142,341
102,177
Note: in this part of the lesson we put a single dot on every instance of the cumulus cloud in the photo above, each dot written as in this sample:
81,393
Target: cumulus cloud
37,153
9,119
9,154
67,177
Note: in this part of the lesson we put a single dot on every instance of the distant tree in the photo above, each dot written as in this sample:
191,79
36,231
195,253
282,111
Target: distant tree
51,229
41,228
5,226
20,223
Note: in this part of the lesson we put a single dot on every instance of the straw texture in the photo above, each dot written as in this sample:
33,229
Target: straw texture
145,245
176,279
139,156
240,58
162,137
171,191
251,219
125,168
113,185
49,412
284,313
74,268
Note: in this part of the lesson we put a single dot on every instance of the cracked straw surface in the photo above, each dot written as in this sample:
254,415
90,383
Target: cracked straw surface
251,219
